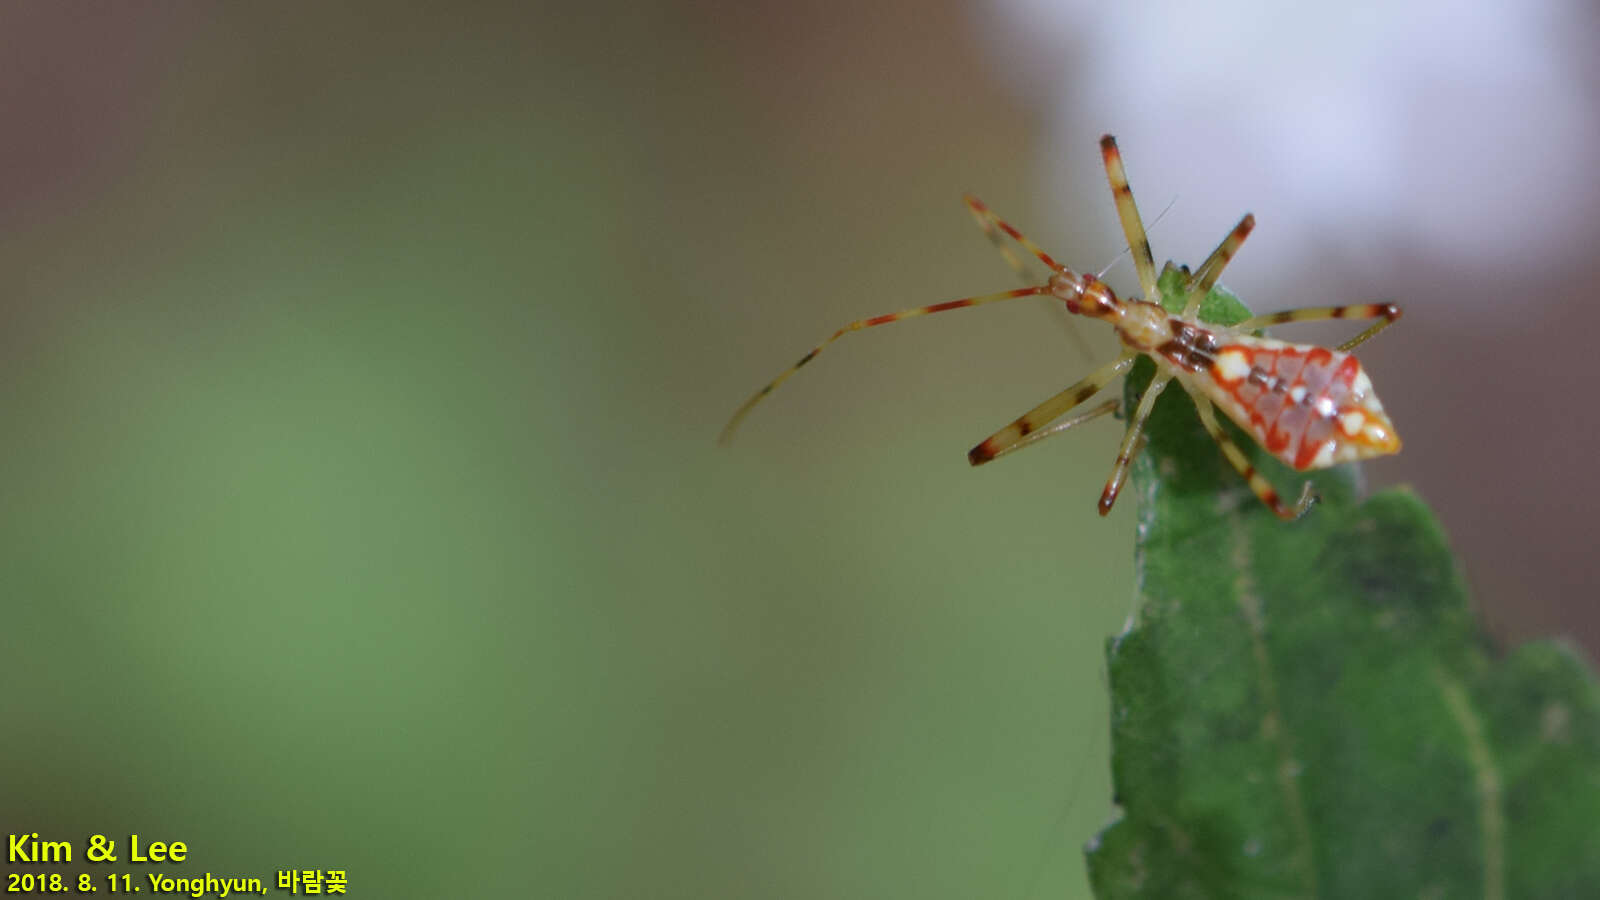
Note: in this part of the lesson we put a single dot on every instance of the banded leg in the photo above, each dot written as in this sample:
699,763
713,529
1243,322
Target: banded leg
992,226
1033,437
1241,463
1011,437
1128,212
1389,312
1130,442
1205,278
887,318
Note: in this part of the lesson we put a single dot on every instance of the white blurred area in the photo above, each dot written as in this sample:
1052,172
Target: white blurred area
1438,135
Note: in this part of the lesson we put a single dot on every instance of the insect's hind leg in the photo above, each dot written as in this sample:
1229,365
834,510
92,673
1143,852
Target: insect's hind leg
1389,312
1241,463
1130,442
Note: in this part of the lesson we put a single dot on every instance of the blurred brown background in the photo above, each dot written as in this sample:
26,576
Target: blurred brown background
362,369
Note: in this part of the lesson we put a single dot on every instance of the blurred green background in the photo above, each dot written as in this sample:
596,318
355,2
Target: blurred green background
363,511
361,374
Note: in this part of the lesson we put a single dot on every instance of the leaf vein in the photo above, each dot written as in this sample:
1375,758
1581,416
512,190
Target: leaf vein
1491,815
1273,724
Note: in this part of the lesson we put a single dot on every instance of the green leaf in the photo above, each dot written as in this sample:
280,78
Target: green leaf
1310,709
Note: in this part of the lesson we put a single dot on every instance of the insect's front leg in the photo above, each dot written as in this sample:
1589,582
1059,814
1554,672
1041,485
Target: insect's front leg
1128,214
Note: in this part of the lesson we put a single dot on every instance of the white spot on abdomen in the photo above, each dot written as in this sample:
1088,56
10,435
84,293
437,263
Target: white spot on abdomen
1232,365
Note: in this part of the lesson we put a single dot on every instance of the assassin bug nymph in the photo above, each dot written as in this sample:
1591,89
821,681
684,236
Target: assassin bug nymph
1309,406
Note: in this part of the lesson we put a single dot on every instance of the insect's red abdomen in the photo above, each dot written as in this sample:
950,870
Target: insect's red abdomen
1309,406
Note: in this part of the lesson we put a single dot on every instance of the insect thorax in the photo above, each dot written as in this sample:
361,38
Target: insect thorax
1146,327
1187,345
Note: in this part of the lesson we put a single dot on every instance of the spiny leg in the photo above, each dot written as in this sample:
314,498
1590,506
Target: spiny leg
1389,312
1007,438
1130,442
1205,278
1241,463
1128,212
993,226
744,410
